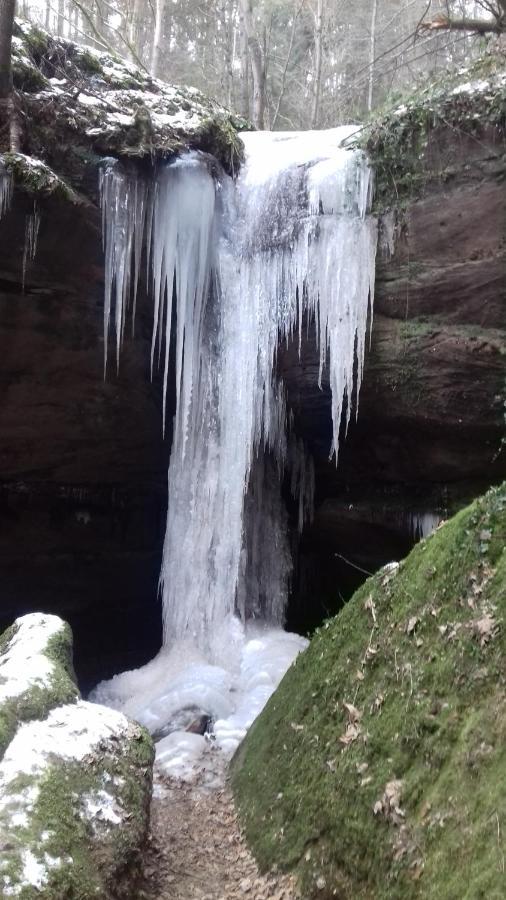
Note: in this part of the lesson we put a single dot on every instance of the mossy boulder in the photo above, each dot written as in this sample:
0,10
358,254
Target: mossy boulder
36,671
75,777
378,768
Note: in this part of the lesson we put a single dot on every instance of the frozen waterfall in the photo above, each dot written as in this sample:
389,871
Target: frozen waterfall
236,267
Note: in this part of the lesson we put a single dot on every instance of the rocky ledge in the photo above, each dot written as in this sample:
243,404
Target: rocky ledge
83,105
75,777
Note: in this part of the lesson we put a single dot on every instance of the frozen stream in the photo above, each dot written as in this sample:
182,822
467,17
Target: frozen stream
289,240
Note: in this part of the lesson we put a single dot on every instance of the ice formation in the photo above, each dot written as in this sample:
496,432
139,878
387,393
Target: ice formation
245,264
423,524
32,226
5,189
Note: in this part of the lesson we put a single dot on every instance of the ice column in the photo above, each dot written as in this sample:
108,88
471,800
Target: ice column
242,265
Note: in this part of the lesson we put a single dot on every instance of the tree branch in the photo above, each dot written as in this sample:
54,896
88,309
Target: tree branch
477,26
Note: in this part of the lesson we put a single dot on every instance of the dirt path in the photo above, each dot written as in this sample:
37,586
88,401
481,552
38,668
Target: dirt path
197,852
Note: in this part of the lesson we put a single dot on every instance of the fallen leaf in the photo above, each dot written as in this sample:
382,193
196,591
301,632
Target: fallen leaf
485,628
378,702
412,623
351,734
354,714
389,805
296,727
370,606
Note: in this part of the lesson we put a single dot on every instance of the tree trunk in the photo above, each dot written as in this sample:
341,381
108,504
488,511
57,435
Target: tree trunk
372,54
257,61
317,68
61,17
245,110
157,37
7,8
9,124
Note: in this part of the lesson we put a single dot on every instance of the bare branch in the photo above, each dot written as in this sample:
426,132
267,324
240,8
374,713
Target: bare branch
476,26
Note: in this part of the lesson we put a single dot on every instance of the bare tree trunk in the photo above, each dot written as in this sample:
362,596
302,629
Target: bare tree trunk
9,123
372,54
287,63
133,25
7,8
317,69
48,15
157,37
61,17
257,60
245,109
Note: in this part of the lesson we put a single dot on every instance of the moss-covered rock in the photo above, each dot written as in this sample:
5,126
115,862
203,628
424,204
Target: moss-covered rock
378,768
75,778
414,141
82,105
36,672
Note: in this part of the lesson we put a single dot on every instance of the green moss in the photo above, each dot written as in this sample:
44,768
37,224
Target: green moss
89,63
429,687
26,76
36,178
404,139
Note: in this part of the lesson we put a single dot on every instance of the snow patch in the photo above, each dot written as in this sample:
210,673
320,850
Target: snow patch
23,664
71,732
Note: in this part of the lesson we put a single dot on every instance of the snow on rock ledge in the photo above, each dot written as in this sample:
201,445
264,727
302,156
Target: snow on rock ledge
82,105
75,780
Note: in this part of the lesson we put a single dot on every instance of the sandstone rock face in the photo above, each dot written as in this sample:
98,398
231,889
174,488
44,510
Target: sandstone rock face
82,462
75,777
431,411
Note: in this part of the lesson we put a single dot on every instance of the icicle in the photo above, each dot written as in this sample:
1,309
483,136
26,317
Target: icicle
124,199
423,524
32,226
6,185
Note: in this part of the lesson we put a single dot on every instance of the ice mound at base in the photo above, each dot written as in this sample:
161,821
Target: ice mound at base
231,685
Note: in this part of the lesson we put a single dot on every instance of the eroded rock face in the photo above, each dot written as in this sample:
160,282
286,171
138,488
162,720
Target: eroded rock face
75,777
83,465
431,411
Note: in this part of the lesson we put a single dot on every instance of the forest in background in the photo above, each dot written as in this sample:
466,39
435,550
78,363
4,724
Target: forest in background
284,64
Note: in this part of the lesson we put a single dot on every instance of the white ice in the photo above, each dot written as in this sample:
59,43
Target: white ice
423,524
6,185
244,262
251,661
